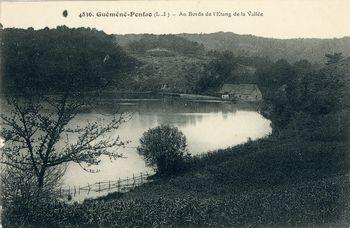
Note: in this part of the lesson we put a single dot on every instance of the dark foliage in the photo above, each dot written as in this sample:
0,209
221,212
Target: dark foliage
219,68
300,88
61,59
247,45
166,42
165,149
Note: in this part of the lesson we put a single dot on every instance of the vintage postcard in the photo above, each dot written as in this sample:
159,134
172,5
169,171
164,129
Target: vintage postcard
175,113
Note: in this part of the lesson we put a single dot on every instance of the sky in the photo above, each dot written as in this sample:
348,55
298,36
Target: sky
281,18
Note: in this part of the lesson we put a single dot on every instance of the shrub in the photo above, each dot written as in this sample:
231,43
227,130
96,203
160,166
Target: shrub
22,200
165,149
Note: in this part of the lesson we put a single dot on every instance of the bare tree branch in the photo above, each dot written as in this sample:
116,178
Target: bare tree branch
35,127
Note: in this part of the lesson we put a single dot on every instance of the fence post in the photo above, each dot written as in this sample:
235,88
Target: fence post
141,178
133,177
109,185
99,186
75,190
89,188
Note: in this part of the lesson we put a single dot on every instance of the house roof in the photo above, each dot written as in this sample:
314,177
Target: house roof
244,89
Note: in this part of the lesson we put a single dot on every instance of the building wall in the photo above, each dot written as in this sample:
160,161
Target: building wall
225,96
253,97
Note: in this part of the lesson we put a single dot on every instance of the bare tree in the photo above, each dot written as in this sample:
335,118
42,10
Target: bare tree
39,135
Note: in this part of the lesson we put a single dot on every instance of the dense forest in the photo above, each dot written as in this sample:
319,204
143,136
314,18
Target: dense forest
218,58
171,43
53,60
248,45
88,59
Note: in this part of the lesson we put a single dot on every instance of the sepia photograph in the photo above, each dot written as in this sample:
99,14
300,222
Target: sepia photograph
175,113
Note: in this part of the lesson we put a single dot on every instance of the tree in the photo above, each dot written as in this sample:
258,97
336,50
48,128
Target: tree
217,70
164,148
74,57
36,131
306,92
21,201
336,57
169,42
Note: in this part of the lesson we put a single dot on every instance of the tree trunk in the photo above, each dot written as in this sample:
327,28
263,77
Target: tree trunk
40,179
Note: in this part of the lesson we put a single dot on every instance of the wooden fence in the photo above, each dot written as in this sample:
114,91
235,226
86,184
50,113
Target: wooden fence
121,185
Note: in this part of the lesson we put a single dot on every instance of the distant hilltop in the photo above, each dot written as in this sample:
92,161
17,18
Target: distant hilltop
312,49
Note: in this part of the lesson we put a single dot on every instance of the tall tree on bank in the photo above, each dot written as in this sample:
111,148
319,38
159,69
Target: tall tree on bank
310,92
39,135
38,128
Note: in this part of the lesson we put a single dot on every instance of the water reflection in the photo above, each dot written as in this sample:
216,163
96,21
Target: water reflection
207,126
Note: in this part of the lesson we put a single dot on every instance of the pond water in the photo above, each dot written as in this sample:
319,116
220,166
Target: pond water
207,126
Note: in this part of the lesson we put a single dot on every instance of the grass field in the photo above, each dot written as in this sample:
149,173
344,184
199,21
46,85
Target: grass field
268,182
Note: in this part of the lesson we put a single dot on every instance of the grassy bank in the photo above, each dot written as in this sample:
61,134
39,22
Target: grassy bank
266,182
313,203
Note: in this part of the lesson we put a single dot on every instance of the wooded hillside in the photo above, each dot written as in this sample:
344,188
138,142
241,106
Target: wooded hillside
249,45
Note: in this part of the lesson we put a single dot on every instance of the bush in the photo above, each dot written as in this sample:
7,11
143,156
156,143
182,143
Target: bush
22,200
165,149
